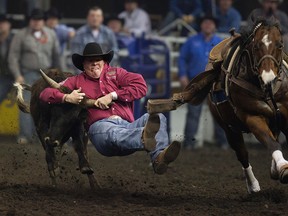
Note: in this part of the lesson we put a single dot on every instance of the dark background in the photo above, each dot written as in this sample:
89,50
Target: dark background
78,8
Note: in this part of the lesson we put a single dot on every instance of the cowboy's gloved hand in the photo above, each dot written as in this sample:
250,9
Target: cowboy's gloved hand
75,97
104,102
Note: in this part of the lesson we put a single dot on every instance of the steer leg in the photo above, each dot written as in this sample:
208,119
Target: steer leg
53,166
259,127
80,146
81,150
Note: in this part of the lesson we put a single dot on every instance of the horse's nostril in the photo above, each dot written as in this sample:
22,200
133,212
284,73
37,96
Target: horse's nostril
56,143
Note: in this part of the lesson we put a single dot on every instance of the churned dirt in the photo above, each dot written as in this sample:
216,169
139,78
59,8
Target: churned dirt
207,181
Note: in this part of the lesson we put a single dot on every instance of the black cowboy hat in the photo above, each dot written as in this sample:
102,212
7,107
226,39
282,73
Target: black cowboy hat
5,18
91,50
208,17
130,1
37,14
113,17
53,13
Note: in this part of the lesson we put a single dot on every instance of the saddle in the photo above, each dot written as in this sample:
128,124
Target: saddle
222,50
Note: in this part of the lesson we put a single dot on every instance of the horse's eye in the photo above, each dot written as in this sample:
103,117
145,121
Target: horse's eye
256,47
279,45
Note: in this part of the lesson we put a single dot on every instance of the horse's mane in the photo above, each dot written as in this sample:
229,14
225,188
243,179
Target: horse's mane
248,30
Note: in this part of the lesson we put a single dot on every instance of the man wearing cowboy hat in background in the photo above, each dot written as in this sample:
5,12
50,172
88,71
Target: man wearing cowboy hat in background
33,47
192,60
111,125
270,9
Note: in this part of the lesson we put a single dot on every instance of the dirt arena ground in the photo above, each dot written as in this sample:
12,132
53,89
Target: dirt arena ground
208,181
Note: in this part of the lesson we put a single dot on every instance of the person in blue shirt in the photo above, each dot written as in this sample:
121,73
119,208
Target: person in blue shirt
193,58
63,32
188,10
228,17
95,31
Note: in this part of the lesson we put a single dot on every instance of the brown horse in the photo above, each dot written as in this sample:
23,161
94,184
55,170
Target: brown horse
252,86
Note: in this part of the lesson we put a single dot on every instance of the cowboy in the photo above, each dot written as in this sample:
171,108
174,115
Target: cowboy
110,124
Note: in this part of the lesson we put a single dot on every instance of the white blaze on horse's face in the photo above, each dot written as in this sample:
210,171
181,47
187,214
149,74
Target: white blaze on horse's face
267,76
266,41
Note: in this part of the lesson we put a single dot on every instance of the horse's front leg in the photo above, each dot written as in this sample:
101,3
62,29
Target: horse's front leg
258,125
235,139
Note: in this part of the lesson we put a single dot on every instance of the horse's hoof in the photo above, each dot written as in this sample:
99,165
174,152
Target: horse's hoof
273,172
253,187
283,174
54,173
86,170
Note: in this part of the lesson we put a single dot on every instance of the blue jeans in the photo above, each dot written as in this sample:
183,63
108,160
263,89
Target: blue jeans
118,137
27,128
6,83
191,127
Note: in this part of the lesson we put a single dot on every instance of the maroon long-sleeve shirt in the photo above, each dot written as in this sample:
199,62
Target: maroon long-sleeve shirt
128,87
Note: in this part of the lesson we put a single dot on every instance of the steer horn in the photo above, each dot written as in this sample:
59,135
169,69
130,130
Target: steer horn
88,103
54,84
50,81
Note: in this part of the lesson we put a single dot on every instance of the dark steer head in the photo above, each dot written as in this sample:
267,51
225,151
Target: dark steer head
66,120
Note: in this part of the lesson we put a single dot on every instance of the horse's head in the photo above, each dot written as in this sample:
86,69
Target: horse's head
267,46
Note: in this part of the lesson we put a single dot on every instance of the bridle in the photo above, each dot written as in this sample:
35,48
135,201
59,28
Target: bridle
267,89
252,57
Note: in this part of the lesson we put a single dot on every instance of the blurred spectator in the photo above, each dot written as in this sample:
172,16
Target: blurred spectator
116,25
6,79
3,6
188,10
227,16
209,7
30,5
32,48
95,31
270,8
63,32
192,60
136,20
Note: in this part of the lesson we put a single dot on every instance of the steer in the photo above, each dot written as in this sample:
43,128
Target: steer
56,123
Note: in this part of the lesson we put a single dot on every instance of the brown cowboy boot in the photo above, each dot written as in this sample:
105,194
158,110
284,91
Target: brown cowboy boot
150,130
168,155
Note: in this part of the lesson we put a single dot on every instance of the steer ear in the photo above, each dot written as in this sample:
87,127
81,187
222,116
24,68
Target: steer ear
53,83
